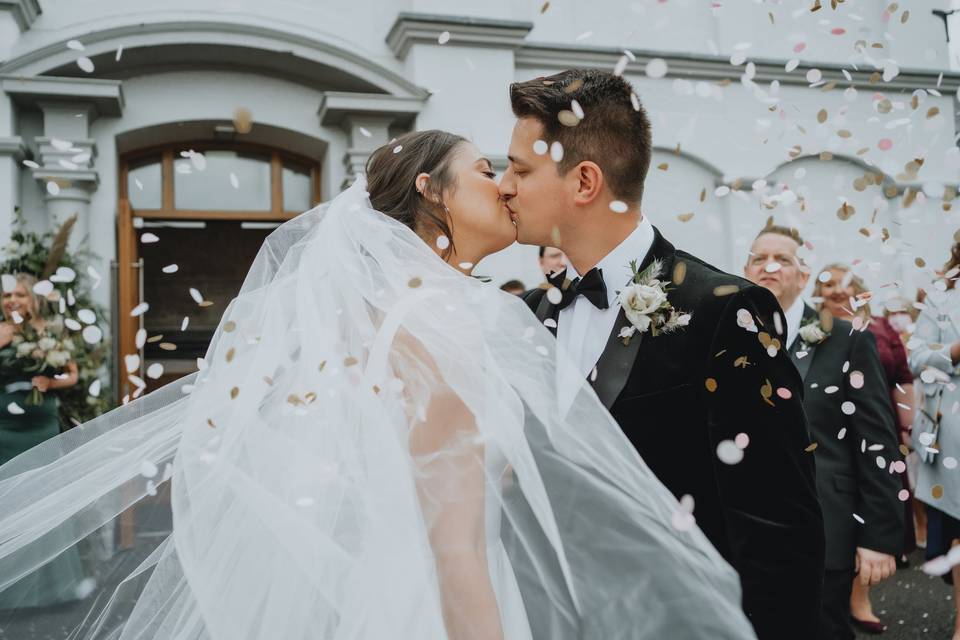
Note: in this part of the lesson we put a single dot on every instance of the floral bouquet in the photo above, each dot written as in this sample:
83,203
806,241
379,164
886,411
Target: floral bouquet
42,353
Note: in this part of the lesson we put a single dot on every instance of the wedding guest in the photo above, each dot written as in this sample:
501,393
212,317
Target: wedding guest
552,260
513,286
846,403
935,359
904,323
846,296
24,424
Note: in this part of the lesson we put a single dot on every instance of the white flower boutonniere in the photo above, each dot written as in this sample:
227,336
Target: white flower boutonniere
646,306
812,333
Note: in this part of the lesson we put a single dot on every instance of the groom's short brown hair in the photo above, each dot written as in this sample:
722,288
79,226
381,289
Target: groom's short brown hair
614,131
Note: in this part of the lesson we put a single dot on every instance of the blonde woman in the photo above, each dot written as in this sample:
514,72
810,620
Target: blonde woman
24,425
846,296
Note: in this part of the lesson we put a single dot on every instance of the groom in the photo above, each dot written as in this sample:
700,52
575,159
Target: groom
692,367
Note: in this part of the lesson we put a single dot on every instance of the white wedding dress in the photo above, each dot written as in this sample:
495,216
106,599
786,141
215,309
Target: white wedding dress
356,396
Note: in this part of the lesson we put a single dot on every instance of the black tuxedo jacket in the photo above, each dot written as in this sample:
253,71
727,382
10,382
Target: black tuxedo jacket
849,480
678,395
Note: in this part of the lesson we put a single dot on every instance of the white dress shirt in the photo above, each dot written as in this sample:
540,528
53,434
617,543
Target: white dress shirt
793,316
583,329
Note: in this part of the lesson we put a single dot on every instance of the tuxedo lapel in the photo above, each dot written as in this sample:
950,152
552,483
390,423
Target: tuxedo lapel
616,361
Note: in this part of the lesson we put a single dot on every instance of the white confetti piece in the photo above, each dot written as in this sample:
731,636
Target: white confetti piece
196,295
443,242
234,181
75,45
132,362
858,518
148,238
444,38
140,309
556,151
94,388
841,433
848,408
729,453
92,334
87,316
155,370
15,409
656,68
171,268
53,188
85,64
554,295
148,469
540,147
618,206
185,323
141,338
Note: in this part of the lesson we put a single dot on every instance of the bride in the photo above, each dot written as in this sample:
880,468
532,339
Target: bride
376,446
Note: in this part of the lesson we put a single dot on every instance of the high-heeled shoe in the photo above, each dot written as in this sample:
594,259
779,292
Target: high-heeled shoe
869,626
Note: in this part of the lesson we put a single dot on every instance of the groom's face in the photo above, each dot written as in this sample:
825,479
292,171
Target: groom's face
536,195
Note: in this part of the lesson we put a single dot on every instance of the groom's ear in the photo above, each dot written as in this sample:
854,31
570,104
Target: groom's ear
589,179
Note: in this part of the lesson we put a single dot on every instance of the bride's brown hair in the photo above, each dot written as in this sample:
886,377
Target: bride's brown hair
392,172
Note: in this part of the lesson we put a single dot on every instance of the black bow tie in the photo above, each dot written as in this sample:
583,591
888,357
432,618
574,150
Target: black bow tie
591,286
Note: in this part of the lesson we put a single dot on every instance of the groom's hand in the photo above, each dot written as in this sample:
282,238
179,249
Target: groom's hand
874,567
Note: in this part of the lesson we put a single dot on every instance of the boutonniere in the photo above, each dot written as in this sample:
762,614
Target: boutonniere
645,303
812,332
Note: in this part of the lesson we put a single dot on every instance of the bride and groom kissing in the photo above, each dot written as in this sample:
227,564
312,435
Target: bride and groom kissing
378,446
680,391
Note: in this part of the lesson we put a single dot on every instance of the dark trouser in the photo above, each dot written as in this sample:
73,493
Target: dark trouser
835,606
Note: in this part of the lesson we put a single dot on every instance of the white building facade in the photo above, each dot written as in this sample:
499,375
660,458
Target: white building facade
207,122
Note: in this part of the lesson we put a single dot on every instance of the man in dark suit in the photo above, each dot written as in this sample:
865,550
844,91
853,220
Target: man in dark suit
849,417
693,370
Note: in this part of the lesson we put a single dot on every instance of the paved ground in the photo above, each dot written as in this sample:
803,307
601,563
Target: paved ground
914,605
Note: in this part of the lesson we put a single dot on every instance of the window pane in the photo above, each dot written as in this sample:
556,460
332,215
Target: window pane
144,184
297,190
222,180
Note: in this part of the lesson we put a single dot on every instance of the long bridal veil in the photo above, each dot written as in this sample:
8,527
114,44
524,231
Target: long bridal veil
368,427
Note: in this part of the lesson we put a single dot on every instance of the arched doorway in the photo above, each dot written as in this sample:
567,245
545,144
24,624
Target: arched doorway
191,219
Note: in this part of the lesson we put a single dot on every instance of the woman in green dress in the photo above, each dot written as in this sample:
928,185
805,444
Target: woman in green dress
24,425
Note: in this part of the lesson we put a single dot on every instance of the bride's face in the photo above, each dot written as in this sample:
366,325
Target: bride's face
480,224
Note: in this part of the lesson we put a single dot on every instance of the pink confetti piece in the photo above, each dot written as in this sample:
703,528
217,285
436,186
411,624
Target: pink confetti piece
784,393
885,144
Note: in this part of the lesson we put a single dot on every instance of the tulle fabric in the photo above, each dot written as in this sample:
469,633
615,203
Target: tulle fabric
370,424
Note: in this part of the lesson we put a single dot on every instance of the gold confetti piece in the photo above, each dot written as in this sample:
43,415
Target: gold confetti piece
890,191
764,339
720,353
741,362
685,217
822,116
725,290
710,384
229,326
816,6
845,211
242,120
811,448
826,321
663,166
294,399
904,17
936,491
230,354
703,195
168,346
376,389
414,283
920,262
795,151
914,102
904,450
884,106
234,393
830,86
268,380
544,7
844,133
766,391
862,151
826,156
156,338
349,361
933,111
679,272
206,303
310,396
210,424
909,195
568,118
770,15
322,365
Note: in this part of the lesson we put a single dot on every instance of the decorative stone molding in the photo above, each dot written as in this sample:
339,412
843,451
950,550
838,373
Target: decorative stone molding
13,146
423,28
78,158
25,12
718,68
105,95
335,106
